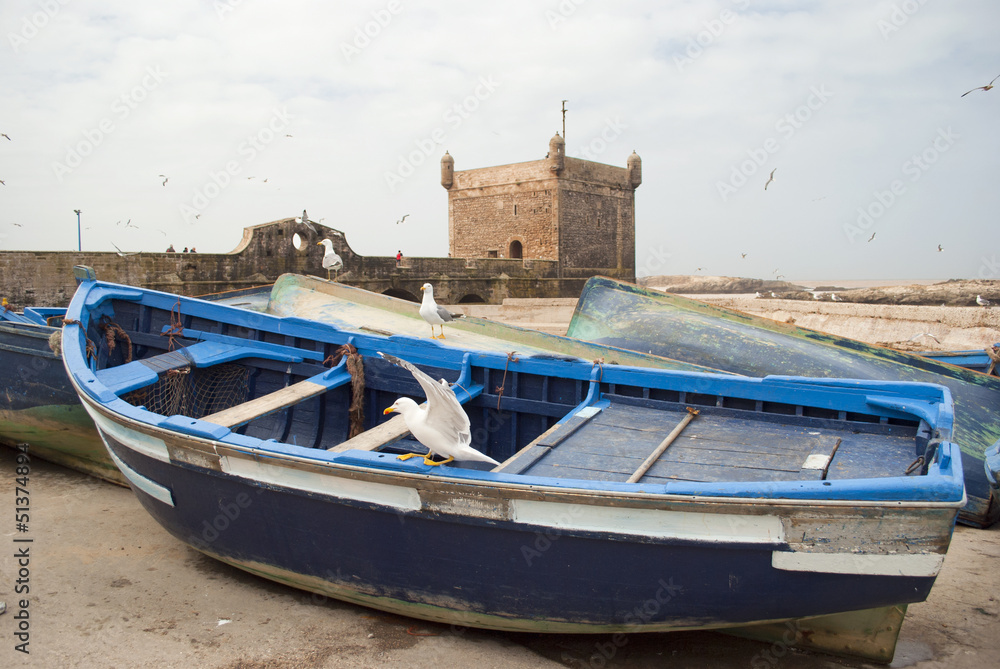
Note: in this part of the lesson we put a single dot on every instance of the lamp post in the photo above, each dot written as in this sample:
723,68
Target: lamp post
79,239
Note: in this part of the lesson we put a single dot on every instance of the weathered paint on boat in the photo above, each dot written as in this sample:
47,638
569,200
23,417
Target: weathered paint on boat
39,407
356,310
627,316
509,550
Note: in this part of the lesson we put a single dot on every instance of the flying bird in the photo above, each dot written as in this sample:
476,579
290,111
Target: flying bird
3,134
982,301
743,255
402,219
442,425
770,178
331,261
981,88
18,225
123,253
165,179
872,237
2,182
434,314
940,248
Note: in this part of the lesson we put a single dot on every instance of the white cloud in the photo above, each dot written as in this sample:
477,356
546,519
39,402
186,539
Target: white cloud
369,83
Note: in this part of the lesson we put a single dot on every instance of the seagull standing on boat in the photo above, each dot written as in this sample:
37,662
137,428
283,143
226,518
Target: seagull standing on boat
442,425
331,261
434,314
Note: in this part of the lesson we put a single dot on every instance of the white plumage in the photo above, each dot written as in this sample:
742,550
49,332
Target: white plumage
442,425
982,301
432,312
331,261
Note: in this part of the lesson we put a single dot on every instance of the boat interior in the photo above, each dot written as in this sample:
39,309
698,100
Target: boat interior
539,415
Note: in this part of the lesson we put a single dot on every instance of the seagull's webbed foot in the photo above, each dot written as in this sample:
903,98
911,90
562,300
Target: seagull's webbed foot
407,456
434,463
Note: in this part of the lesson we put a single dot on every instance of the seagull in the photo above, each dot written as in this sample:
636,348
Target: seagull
442,425
773,295
123,253
331,261
982,301
940,248
3,134
18,225
165,179
3,182
758,295
743,255
770,178
434,314
981,88
304,220
872,237
402,219
834,298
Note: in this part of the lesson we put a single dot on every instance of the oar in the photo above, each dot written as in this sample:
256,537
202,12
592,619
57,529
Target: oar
648,462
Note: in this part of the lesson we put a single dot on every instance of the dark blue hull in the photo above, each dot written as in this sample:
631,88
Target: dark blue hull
493,574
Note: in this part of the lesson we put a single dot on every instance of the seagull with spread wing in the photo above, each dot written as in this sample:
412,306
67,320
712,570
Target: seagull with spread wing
441,425
981,88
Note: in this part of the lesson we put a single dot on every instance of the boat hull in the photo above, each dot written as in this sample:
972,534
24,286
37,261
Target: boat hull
627,316
39,407
525,558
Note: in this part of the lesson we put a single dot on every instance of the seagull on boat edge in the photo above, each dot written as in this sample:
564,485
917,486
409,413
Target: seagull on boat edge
442,425
433,313
331,261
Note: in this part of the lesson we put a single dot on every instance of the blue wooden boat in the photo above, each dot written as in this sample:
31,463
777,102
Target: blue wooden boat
979,360
627,316
38,405
784,498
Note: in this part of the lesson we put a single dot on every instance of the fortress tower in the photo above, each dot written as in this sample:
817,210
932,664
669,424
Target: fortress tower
577,212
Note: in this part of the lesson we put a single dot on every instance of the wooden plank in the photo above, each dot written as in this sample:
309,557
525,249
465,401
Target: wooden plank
276,401
546,441
658,451
382,434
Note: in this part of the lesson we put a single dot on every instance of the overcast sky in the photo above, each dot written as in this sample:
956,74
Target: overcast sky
346,109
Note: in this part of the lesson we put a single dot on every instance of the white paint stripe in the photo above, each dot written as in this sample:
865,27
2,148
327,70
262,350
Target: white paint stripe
148,486
816,461
137,441
400,497
709,527
587,412
928,564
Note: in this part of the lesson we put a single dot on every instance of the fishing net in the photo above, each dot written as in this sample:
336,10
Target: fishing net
194,392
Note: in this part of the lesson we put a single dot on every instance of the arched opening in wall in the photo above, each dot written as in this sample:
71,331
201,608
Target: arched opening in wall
472,298
297,242
515,250
401,294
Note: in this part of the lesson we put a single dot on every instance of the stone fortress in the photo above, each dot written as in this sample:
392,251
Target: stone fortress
533,229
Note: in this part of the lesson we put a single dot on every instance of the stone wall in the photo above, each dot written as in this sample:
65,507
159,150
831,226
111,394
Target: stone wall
45,278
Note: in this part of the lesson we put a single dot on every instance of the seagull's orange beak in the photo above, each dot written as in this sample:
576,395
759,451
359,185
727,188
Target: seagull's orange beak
387,411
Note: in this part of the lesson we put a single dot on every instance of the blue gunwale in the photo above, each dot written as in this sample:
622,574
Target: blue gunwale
889,399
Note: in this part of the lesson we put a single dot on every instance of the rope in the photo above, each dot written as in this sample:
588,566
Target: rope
91,350
356,368
176,328
113,333
600,363
503,382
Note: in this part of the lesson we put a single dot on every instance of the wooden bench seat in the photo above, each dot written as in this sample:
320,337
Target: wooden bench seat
280,399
